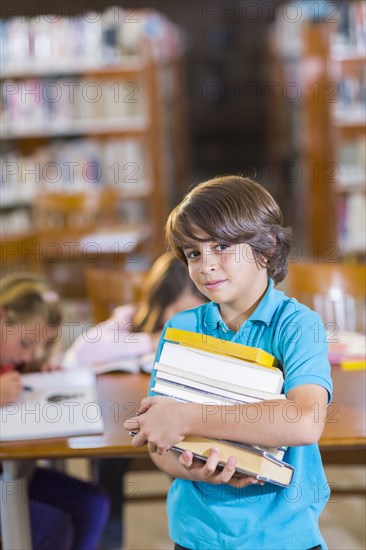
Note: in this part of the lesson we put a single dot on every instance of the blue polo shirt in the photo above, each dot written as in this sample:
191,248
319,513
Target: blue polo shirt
206,516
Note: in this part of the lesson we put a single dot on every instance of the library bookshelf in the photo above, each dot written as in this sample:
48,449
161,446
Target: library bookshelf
319,131
91,122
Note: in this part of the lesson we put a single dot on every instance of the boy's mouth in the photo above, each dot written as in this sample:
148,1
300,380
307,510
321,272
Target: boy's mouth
213,285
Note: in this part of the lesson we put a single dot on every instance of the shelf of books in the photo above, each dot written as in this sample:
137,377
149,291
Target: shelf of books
318,125
85,106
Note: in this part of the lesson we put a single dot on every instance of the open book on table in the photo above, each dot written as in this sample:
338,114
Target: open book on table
131,365
53,404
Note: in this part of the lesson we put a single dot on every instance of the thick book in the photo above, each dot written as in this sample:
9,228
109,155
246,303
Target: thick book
220,346
53,404
207,384
221,368
250,460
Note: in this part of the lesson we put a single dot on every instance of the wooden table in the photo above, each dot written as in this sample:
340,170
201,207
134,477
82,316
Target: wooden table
120,394
344,437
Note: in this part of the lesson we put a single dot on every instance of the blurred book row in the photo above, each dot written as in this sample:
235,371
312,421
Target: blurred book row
70,106
75,165
52,43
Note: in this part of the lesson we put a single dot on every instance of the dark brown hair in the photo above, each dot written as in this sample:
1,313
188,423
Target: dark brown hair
233,209
167,280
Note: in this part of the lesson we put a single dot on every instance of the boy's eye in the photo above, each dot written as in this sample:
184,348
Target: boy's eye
190,255
221,247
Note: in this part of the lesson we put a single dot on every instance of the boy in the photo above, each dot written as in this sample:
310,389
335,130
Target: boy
229,232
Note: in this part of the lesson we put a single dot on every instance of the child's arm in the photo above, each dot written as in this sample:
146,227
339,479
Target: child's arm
10,387
298,420
113,340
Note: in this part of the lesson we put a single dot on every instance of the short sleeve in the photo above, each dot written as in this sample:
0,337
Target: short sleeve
304,350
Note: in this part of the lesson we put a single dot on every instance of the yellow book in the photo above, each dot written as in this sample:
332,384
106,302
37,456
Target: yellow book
223,347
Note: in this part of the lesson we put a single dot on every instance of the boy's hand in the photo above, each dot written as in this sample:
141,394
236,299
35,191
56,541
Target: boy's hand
161,423
208,471
10,387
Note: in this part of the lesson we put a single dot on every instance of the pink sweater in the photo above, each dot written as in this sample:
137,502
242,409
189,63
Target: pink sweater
109,341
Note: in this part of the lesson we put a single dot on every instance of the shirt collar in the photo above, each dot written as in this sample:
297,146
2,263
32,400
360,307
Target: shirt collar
263,312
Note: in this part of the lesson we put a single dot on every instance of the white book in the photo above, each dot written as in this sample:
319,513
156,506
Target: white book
221,368
249,394
53,404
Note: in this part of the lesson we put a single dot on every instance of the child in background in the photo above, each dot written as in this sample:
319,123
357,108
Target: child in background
134,330
168,289
65,513
229,232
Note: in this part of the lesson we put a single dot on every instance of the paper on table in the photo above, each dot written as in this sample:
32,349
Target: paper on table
56,404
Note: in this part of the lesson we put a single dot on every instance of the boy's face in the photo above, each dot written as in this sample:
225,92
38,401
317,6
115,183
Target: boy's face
228,275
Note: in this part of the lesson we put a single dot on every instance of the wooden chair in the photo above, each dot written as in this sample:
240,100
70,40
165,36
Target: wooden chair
336,291
76,211
61,221
19,253
109,288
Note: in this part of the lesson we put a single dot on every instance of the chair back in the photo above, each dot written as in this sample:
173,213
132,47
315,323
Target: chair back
110,288
336,291
64,210
76,211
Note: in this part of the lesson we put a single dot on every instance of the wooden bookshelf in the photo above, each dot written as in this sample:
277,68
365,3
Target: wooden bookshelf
322,133
122,139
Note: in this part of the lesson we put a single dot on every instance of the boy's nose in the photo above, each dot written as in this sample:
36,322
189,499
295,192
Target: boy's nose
208,266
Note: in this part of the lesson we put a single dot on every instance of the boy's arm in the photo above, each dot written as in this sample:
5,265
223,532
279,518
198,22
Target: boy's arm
298,420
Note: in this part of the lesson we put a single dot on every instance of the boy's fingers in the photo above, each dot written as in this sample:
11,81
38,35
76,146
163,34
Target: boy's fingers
244,481
145,404
131,423
186,459
152,447
212,461
139,440
229,469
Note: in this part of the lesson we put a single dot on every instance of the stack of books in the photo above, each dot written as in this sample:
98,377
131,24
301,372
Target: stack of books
202,369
